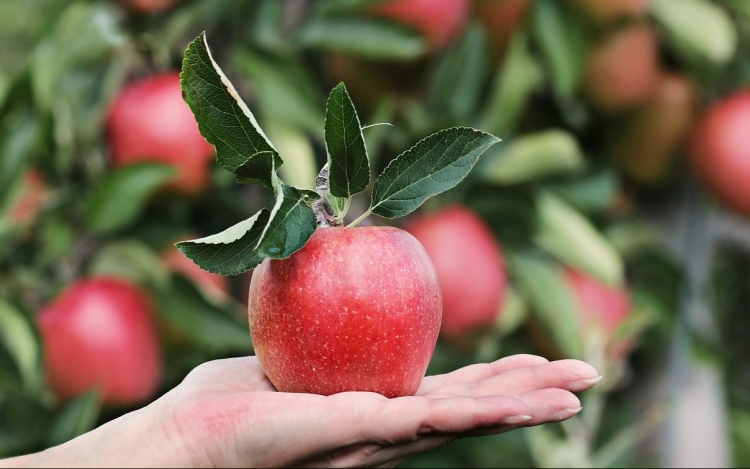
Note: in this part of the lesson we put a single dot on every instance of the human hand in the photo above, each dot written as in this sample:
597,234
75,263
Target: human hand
226,413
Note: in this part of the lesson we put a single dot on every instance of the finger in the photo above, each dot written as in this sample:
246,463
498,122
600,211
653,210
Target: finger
478,372
572,375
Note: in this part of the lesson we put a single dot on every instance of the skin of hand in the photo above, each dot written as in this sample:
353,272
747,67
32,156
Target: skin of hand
227,414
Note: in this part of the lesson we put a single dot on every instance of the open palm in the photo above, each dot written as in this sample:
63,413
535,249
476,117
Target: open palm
227,413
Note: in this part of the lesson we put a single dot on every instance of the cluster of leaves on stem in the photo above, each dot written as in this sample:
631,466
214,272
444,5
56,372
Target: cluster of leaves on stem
435,164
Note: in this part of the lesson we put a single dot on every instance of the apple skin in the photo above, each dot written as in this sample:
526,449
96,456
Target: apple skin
356,309
646,143
149,121
720,151
148,6
501,18
439,21
101,332
621,72
606,12
470,267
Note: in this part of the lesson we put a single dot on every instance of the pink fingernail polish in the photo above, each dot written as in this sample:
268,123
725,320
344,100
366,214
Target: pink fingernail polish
517,419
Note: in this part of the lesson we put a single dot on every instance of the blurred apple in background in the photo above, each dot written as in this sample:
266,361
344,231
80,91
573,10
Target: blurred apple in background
149,121
720,151
470,268
29,200
500,19
605,12
100,333
622,70
148,6
645,143
439,21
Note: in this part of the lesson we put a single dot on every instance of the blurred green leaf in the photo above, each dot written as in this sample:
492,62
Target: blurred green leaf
20,136
519,76
290,225
224,119
285,90
594,192
123,195
24,422
568,235
300,166
434,165
348,166
184,308
531,157
363,37
19,336
714,41
562,40
76,418
131,260
85,32
456,83
230,252
543,285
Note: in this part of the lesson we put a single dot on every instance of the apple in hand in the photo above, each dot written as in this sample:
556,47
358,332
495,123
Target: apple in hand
149,121
100,333
469,264
439,21
354,309
621,72
720,151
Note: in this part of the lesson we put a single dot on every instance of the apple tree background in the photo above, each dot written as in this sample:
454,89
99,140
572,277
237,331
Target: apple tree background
619,161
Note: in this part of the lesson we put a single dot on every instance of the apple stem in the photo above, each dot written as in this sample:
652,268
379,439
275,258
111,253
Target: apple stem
358,220
324,212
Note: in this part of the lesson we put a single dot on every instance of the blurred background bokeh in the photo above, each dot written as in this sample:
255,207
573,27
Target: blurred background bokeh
609,225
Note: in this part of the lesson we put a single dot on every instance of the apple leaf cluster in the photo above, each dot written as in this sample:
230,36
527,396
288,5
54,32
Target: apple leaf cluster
435,164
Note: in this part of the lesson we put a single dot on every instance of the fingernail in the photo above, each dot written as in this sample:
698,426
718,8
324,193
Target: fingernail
516,419
566,413
583,384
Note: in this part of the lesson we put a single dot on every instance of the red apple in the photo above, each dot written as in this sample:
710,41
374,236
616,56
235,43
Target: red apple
500,19
356,309
720,151
148,6
607,12
29,201
439,21
469,264
149,121
645,144
621,72
100,333
214,285
600,306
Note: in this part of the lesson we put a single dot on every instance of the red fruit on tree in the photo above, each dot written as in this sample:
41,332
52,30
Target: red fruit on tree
439,21
149,121
621,72
354,309
469,264
100,333
148,6
720,151
29,201
607,12
501,18
645,144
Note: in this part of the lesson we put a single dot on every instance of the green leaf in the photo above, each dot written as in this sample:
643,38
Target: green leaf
20,135
76,418
210,327
230,252
20,337
292,222
543,284
363,37
300,168
124,194
532,157
714,41
562,41
132,260
435,164
348,166
457,82
566,234
594,192
520,75
224,119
